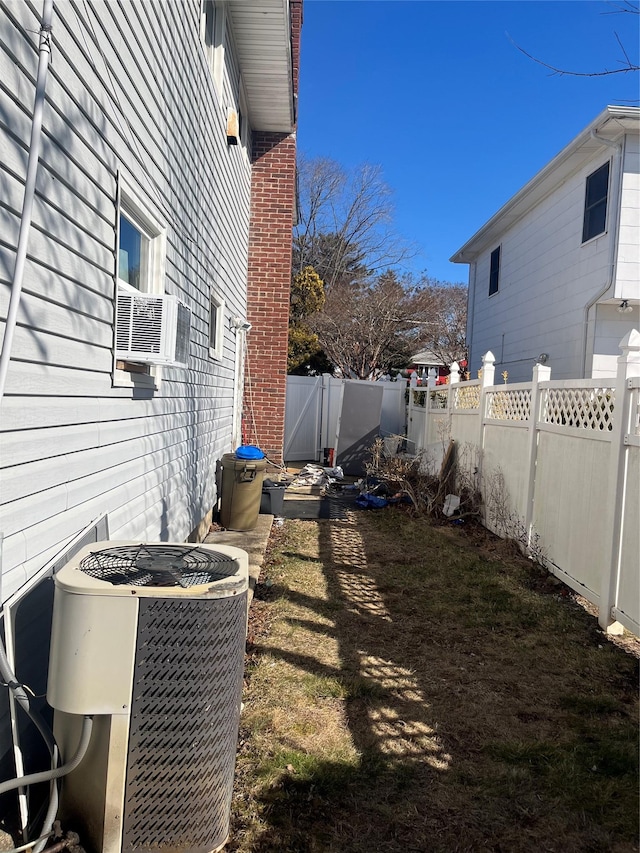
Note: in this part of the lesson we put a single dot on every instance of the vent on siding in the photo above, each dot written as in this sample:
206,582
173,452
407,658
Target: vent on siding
152,329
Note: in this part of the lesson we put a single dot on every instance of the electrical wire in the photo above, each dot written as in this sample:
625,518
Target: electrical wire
250,385
30,844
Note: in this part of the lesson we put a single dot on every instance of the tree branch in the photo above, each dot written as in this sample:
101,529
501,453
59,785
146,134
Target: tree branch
566,72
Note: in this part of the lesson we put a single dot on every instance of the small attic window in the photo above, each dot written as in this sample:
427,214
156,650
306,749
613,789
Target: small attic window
595,203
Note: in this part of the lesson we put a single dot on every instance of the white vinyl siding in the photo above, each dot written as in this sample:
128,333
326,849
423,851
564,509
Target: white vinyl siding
546,277
73,446
628,261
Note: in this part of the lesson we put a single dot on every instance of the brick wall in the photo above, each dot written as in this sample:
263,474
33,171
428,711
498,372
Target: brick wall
269,276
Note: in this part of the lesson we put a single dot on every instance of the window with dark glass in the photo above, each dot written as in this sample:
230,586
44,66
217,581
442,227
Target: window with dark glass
494,271
595,203
130,255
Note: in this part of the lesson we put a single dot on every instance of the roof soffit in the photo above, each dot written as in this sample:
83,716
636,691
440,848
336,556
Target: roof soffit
262,36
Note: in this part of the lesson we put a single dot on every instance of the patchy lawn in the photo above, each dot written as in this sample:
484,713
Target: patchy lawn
413,688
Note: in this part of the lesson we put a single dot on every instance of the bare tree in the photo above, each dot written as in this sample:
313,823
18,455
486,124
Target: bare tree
368,328
345,223
443,327
360,326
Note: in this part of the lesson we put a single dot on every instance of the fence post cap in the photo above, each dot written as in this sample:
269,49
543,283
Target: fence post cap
631,341
541,372
488,358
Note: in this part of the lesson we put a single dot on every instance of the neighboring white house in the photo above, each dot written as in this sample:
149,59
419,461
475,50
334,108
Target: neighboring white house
426,361
140,224
555,274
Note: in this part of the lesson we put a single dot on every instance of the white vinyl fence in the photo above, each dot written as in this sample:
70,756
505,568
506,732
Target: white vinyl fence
558,467
313,410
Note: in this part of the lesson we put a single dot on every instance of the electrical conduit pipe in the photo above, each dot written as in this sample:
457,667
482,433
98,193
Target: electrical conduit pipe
29,192
44,53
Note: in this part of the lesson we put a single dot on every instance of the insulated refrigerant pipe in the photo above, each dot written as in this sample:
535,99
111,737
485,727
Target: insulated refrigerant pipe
49,775
35,142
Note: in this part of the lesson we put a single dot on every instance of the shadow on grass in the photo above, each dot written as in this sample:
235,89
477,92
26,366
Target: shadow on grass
486,715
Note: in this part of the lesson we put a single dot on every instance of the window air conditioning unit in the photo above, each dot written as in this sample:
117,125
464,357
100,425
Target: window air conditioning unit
150,640
152,329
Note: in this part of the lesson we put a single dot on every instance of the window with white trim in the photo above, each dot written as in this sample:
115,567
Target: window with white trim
212,27
140,266
216,326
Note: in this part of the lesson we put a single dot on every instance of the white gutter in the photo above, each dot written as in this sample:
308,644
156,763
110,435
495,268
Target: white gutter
44,53
614,228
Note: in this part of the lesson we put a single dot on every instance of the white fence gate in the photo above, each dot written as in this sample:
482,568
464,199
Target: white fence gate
567,455
313,410
302,417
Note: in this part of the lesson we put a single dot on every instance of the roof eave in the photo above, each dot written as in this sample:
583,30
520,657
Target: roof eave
611,122
262,35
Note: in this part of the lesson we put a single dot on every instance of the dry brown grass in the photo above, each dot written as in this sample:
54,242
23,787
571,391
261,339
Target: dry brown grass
411,688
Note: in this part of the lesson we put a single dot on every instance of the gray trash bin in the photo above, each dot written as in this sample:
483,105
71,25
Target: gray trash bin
272,501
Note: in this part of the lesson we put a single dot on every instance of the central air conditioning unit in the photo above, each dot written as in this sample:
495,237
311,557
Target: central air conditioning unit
152,329
150,640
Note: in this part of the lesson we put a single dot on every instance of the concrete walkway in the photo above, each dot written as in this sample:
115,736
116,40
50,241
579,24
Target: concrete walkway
254,542
300,501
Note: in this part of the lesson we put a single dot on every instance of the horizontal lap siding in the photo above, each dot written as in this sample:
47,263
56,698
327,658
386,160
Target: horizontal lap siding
546,277
628,261
72,445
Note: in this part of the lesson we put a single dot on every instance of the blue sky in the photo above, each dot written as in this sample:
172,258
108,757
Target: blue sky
436,93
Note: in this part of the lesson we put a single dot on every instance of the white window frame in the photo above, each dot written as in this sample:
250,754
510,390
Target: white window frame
216,318
213,42
243,121
146,218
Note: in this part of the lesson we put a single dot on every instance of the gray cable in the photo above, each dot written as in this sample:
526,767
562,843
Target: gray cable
48,775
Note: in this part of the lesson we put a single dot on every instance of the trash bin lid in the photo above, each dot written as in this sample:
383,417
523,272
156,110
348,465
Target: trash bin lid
249,451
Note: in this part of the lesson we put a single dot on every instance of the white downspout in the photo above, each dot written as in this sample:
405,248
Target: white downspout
613,230
29,192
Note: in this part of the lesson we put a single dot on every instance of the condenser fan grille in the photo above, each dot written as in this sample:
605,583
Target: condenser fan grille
158,565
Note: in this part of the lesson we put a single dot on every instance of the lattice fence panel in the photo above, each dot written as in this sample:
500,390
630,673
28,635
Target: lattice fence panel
512,405
581,408
438,399
467,397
